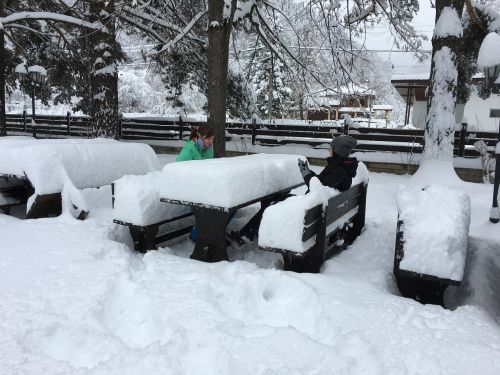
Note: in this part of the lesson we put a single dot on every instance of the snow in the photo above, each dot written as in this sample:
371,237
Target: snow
137,201
229,182
76,300
448,24
497,148
282,224
435,230
50,163
38,69
489,53
21,68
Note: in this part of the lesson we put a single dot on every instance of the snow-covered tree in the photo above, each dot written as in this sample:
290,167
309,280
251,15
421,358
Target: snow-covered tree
35,22
460,27
271,90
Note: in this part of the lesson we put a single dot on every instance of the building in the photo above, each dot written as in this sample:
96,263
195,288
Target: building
355,101
413,90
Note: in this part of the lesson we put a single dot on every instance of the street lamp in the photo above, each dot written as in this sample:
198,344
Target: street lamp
34,76
489,60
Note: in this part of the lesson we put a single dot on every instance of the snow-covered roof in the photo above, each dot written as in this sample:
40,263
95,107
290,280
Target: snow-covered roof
50,163
411,77
228,182
382,107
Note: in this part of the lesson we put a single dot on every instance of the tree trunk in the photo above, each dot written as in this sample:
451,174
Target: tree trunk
219,31
442,96
104,76
3,126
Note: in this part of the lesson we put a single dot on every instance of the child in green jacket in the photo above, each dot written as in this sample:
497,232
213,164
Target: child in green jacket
199,146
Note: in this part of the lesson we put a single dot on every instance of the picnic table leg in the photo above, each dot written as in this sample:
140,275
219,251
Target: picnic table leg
211,242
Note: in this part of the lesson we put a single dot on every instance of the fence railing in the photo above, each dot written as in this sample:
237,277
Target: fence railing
266,134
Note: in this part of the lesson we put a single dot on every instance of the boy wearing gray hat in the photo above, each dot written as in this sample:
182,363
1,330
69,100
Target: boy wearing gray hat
340,167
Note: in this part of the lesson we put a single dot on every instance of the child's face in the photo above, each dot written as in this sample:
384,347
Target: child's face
208,141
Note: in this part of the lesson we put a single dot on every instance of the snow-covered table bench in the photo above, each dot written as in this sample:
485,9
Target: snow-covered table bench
46,169
308,229
136,204
216,188
431,241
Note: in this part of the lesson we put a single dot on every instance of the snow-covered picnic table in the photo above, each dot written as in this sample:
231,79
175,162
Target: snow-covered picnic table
216,188
53,165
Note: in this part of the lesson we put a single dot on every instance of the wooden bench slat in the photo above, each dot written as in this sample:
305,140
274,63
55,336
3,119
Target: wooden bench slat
335,213
313,214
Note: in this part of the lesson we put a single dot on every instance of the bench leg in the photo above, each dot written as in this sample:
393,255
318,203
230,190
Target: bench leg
144,239
309,262
423,291
211,242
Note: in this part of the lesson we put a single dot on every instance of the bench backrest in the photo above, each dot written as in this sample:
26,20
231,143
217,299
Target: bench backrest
343,219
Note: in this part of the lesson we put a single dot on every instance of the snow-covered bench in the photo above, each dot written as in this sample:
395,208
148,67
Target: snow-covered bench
431,241
136,204
308,229
48,170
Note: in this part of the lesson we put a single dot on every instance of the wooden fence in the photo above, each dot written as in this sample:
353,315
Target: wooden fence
319,136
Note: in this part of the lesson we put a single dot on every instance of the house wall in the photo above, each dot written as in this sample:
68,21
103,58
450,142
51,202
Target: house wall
477,112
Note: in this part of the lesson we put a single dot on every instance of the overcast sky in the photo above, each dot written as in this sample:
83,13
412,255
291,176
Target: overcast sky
379,38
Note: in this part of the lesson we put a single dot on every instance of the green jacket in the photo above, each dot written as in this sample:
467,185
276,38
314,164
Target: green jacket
192,151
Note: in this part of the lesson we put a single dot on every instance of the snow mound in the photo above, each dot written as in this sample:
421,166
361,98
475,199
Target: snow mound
228,182
282,224
489,53
436,229
137,201
49,163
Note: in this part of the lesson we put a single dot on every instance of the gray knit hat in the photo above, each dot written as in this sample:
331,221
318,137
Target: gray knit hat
343,145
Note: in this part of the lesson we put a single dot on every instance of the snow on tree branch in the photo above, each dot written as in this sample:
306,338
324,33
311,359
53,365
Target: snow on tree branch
183,33
25,16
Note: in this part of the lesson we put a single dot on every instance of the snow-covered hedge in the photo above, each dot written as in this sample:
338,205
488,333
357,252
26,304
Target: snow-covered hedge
282,224
228,182
436,228
137,201
50,163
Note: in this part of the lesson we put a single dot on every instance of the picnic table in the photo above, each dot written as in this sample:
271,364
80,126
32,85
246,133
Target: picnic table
216,188
36,171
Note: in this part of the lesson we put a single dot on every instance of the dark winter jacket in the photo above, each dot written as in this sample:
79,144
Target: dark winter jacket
338,173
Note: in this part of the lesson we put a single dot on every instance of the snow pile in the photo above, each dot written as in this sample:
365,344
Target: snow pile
489,53
448,24
50,163
282,224
137,201
436,229
228,182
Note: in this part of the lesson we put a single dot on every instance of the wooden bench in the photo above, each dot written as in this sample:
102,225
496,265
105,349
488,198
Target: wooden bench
147,237
418,286
334,227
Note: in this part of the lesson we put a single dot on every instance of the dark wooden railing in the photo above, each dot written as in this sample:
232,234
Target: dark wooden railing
319,136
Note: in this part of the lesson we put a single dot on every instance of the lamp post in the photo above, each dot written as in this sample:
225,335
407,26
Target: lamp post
34,76
489,60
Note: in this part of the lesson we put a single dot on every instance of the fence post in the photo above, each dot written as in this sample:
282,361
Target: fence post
68,122
345,131
24,121
254,131
120,127
461,144
180,127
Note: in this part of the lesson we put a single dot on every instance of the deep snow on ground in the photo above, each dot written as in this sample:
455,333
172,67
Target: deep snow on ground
74,299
